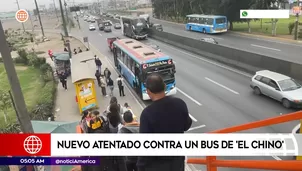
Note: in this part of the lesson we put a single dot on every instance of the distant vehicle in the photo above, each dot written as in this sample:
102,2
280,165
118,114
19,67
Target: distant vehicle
134,27
88,19
136,61
146,17
92,20
91,27
101,27
117,26
110,42
117,17
107,29
85,18
207,23
209,40
279,87
107,15
158,27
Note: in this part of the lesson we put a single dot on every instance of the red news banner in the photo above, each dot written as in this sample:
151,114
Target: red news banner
25,145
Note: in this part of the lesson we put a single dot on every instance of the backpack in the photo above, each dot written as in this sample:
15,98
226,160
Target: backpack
104,128
119,82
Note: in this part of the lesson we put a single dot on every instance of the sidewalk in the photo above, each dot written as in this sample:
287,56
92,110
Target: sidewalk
66,106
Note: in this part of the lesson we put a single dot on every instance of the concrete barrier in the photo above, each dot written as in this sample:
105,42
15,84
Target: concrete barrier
247,61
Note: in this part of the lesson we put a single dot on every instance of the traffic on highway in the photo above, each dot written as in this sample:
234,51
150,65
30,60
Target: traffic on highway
218,96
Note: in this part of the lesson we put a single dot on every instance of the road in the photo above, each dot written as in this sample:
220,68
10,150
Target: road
274,48
217,96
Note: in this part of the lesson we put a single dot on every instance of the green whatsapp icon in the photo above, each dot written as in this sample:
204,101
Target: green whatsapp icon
244,14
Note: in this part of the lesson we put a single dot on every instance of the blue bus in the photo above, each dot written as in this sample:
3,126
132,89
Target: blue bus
207,23
136,61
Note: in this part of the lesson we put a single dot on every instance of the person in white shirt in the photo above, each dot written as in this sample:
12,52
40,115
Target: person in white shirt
120,84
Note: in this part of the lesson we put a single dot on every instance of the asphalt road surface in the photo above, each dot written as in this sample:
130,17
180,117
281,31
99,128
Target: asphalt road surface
274,48
217,96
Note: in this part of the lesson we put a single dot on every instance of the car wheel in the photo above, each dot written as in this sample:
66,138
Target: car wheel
286,103
257,91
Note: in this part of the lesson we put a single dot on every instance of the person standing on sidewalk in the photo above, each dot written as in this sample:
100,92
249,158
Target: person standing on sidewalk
63,80
154,119
98,77
110,84
98,63
107,74
103,86
120,83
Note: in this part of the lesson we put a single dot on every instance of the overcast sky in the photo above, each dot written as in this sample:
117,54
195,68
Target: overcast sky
10,5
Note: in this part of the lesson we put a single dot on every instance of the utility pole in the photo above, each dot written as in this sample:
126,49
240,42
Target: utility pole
64,26
19,9
22,114
38,12
54,4
66,11
297,21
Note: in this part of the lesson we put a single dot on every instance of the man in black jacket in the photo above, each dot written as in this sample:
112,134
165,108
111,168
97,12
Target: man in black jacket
130,126
165,115
98,63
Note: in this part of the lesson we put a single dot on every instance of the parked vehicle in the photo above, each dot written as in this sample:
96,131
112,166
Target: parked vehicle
279,87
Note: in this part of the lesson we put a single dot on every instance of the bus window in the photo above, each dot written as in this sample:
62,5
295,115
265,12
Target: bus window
130,63
118,52
126,60
201,21
133,66
123,56
209,21
220,20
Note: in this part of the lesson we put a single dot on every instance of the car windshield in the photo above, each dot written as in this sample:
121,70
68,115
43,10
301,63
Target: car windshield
289,84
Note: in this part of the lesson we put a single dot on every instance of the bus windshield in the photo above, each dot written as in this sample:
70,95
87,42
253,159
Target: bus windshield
167,73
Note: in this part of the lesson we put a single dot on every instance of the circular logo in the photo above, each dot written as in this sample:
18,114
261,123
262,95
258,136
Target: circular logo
32,144
22,16
244,13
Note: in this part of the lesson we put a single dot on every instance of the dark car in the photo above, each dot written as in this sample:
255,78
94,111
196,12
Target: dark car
117,26
107,29
209,40
158,27
101,27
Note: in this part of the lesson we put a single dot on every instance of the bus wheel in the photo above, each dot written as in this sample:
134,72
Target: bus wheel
204,31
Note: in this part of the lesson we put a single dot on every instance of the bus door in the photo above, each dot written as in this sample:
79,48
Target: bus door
138,80
115,56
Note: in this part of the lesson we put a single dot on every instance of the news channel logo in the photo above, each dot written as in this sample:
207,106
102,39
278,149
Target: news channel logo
32,144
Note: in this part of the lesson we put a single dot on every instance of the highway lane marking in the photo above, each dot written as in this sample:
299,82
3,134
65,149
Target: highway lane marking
210,62
296,128
225,87
197,127
192,117
100,34
191,98
266,47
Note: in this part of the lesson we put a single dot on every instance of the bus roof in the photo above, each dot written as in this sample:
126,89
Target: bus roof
80,64
140,52
206,16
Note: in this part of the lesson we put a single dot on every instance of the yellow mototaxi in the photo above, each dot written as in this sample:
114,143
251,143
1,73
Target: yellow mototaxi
83,77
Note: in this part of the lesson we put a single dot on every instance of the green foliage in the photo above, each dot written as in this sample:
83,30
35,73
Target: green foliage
291,27
47,73
45,104
5,104
23,56
35,61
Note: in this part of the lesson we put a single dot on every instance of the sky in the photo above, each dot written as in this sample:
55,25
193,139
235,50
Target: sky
11,5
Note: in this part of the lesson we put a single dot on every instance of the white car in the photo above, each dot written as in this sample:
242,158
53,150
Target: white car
91,27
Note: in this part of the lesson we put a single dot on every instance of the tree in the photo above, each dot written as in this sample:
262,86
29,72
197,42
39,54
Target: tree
231,9
5,103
